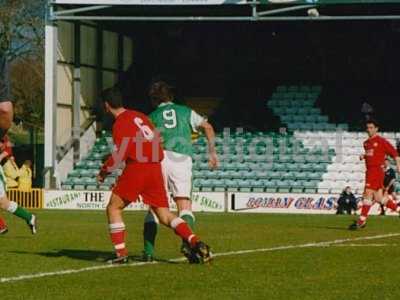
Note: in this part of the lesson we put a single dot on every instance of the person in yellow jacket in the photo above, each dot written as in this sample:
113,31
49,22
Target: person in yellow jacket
11,172
25,176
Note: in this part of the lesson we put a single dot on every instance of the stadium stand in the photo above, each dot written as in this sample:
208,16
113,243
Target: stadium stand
314,155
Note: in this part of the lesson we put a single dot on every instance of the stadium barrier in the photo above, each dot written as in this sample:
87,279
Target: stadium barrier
32,199
232,202
98,200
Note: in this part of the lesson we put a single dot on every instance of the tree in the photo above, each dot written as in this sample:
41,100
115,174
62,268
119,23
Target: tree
22,45
21,28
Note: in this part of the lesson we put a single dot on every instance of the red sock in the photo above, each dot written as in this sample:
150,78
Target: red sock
183,230
364,213
117,234
392,205
3,224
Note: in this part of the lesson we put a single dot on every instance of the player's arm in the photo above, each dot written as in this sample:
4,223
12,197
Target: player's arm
119,155
198,122
392,152
210,136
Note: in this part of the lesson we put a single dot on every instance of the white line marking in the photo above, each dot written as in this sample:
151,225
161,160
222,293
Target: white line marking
230,253
365,245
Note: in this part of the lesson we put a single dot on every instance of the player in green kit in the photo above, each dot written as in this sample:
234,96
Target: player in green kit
176,124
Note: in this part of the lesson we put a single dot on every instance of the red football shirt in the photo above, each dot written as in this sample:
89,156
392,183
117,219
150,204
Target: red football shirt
135,140
376,149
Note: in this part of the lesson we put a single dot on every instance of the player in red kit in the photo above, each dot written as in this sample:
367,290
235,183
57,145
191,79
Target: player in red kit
138,145
376,150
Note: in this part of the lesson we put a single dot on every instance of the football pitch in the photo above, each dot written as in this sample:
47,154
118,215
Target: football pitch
258,256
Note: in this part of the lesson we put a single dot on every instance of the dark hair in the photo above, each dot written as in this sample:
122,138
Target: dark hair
372,121
160,91
113,97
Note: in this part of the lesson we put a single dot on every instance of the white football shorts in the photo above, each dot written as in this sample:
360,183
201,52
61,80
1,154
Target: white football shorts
177,171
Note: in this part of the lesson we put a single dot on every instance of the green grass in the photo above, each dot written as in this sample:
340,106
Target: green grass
78,239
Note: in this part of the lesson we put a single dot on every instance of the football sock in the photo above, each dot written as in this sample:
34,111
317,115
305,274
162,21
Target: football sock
19,212
364,211
183,230
2,224
188,217
117,234
150,229
393,206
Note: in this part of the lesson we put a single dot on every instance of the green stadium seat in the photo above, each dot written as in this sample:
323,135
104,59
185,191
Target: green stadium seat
316,88
279,166
282,89
314,111
299,175
301,95
257,184
299,158
269,183
305,88
195,189
243,183
203,165
299,118
232,174
67,184
288,176
319,126
293,167
275,175
286,118
289,95
304,166
262,174
322,118
343,127
291,111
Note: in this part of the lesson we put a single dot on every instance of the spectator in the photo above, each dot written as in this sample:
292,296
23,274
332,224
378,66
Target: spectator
388,183
11,171
347,202
367,111
25,176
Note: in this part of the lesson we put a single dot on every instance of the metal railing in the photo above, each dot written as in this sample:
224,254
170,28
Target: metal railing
28,199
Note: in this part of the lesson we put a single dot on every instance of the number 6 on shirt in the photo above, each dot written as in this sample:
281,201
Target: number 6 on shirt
146,130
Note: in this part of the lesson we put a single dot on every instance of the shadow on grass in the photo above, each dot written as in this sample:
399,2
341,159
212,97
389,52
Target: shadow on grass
88,255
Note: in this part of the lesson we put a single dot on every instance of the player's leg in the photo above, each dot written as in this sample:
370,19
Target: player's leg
13,208
151,222
181,188
150,229
184,206
117,228
183,230
155,195
3,226
367,202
